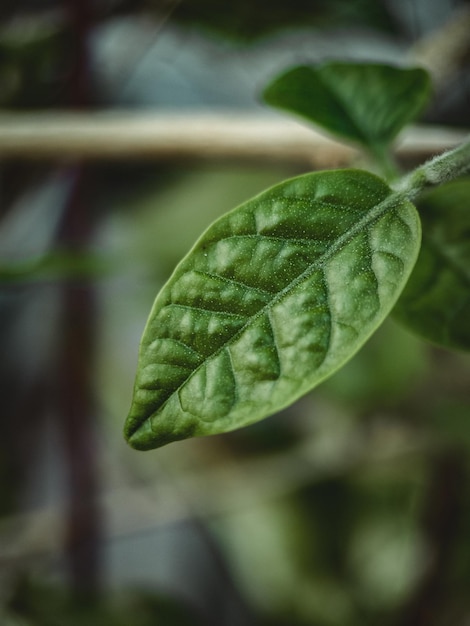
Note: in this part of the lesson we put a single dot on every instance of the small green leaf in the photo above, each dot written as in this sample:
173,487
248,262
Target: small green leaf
436,301
367,103
273,298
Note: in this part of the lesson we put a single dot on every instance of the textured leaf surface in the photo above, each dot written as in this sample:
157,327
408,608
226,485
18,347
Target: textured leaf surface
362,102
436,301
274,297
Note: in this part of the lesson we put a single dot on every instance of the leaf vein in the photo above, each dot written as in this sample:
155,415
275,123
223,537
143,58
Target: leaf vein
180,343
232,281
199,309
299,240
452,264
232,368
276,349
326,287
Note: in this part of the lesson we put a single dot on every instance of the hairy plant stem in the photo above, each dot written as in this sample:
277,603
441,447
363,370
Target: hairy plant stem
441,169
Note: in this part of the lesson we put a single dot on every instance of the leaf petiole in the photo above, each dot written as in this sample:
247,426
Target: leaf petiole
385,161
440,169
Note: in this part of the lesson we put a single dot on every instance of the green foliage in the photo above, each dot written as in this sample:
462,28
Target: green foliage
53,266
257,314
31,62
436,301
246,20
360,102
39,604
281,292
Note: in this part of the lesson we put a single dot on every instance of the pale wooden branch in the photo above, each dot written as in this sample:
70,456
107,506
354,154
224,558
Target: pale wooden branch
112,135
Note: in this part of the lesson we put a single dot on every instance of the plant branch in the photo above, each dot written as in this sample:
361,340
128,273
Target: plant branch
77,408
439,170
441,525
77,405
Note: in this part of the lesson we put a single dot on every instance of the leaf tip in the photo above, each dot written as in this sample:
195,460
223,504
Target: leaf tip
141,434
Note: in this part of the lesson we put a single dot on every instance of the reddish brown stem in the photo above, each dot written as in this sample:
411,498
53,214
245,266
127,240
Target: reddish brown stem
440,523
77,407
77,349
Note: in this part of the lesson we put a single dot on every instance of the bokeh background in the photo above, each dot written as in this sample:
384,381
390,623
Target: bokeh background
352,507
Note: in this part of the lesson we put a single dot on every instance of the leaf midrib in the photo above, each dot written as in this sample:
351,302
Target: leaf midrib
440,251
392,200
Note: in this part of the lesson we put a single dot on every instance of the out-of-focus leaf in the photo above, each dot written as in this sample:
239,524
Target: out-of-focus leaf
33,54
367,103
385,370
37,604
8,619
272,299
246,20
436,301
53,266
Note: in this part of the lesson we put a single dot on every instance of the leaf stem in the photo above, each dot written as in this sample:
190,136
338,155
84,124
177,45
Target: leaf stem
384,159
440,169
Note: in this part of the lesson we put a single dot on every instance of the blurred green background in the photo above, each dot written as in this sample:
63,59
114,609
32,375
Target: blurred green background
352,507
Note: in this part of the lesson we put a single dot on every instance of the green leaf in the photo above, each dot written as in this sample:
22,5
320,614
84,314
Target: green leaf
273,298
436,301
367,103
